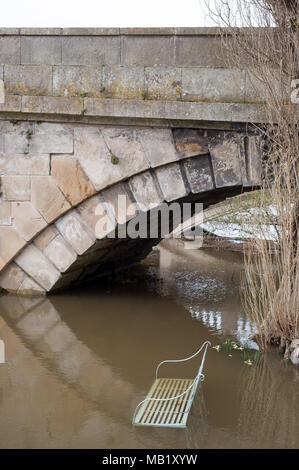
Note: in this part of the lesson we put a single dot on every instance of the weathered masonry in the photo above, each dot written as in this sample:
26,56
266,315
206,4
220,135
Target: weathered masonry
162,101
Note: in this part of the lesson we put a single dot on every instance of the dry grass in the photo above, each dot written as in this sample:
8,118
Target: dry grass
271,288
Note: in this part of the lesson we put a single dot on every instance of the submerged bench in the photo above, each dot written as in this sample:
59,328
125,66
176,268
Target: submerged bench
169,401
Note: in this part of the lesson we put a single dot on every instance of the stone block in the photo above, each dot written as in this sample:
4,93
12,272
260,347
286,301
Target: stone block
145,191
52,143
43,240
93,211
30,287
26,220
40,50
75,80
254,113
10,243
53,128
40,31
28,79
12,104
146,50
10,50
47,198
76,232
16,188
163,83
190,142
36,265
95,158
5,213
1,143
226,159
60,253
199,174
187,111
70,178
11,277
9,31
15,143
122,204
199,51
35,165
139,31
99,50
198,31
171,182
52,105
213,84
11,127
127,108
90,31
158,145
125,145
254,160
123,82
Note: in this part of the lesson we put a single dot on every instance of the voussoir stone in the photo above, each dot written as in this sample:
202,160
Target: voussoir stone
12,277
71,179
30,287
124,143
27,221
47,198
38,266
95,158
158,145
122,204
145,191
199,174
60,253
171,182
226,160
43,240
76,232
95,210
10,243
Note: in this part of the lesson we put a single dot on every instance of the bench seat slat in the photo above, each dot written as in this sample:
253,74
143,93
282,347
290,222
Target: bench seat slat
168,413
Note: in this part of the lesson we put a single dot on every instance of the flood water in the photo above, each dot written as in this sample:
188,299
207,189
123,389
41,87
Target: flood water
78,363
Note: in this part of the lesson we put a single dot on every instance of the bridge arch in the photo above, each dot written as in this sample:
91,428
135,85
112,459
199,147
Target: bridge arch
68,170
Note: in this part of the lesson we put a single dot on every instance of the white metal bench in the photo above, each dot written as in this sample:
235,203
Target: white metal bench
169,401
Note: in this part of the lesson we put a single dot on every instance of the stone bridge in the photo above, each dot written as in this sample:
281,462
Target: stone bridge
89,114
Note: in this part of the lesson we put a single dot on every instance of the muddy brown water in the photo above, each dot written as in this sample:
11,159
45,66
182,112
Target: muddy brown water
78,363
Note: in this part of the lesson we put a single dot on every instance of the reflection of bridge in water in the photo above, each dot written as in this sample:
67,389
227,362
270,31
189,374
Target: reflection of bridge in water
45,349
74,395
78,364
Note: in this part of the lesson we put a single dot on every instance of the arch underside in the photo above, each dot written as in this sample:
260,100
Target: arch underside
153,166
